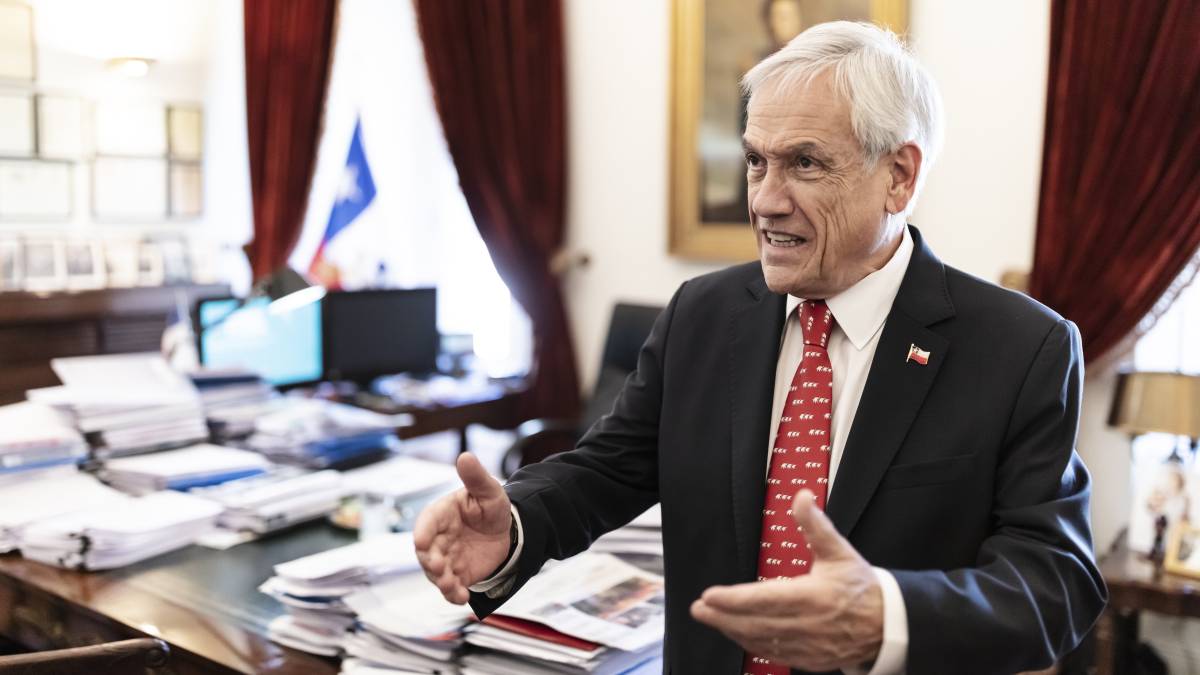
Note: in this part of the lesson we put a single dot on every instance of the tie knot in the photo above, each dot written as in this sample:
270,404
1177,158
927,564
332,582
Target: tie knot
817,322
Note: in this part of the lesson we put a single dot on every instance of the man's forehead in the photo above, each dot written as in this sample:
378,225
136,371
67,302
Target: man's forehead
787,113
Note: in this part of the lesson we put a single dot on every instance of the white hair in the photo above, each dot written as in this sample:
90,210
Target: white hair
893,100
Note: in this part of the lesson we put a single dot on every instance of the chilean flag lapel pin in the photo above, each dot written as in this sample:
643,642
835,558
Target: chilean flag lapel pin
917,354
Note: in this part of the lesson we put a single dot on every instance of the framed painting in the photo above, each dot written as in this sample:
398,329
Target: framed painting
714,43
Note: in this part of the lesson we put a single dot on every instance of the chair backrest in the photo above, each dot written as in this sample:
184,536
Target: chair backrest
127,657
627,331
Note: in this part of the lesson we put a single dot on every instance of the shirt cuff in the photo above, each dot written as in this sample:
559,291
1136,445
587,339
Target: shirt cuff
500,583
893,653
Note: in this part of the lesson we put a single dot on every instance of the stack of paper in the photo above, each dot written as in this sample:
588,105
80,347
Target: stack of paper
589,614
641,537
313,589
277,499
35,437
320,434
182,469
125,531
46,494
402,485
233,400
404,625
126,403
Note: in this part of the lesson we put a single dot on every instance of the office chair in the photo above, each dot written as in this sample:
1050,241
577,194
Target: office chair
537,439
127,657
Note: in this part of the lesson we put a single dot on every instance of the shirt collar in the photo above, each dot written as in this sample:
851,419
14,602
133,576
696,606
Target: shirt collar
861,309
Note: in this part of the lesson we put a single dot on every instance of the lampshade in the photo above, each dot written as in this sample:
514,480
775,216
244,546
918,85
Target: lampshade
1157,402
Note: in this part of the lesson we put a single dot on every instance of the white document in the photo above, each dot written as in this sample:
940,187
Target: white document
40,498
29,423
595,597
146,371
408,607
198,460
360,562
402,478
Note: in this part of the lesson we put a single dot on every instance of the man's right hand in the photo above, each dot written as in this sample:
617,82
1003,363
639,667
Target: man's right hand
464,537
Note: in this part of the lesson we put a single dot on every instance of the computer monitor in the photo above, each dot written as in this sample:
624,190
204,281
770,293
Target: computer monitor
380,332
281,341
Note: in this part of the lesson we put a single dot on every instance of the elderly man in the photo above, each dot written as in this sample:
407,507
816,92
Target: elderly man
864,457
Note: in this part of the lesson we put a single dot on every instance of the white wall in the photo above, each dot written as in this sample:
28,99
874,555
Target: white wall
978,210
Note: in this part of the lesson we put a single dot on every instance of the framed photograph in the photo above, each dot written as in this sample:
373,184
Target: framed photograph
122,258
128,188
714,43
185,132
45,265
16,125
150,264
17,54
10,265
36,190
60,127
85,265
187,190
130,129
1183,552
176,263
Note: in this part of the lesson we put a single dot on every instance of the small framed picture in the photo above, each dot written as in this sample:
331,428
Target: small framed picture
1183,552
10,265
150,264
121,260
45,265
177,267
85,265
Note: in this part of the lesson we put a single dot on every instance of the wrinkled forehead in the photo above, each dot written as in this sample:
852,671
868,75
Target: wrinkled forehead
800,106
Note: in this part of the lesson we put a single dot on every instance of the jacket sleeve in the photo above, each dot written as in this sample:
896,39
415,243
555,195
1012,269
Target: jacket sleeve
1035,589
567,501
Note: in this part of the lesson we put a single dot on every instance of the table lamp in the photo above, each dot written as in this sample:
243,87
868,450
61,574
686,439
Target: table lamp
1162,402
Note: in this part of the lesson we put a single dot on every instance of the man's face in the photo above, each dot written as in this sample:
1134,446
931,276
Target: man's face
818,212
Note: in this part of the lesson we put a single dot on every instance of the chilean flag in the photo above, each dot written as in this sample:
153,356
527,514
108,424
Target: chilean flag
355,193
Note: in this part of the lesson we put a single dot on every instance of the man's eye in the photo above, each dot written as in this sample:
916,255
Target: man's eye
753,161
805,162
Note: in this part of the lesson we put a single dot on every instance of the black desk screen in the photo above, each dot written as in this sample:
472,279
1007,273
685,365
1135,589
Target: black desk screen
371,333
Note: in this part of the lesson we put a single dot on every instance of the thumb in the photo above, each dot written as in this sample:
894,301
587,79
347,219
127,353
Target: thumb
478,482
819,532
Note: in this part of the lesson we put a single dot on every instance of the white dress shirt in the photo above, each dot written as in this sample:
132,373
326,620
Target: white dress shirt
860,312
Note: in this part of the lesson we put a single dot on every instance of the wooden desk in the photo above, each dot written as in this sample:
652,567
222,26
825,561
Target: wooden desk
499,411
1134,586
204,603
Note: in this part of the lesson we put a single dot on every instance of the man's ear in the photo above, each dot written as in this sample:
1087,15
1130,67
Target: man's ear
903,171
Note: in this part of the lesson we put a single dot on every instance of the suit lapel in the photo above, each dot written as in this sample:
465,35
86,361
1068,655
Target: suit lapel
896,386
755,332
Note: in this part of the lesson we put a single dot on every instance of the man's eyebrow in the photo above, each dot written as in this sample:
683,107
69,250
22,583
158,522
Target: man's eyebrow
801,148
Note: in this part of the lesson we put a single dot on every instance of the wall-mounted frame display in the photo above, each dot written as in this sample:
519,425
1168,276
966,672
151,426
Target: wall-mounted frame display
150,264
135,129
176,262
16,125
121,259
11,274
187,189
45,265
36,190
18,61
60,127
127,188
185,132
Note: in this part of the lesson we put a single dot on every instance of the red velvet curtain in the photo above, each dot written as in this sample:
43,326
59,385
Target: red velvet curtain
288,45
1119,217
497,75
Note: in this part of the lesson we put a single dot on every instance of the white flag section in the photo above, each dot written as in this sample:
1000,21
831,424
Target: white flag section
595,597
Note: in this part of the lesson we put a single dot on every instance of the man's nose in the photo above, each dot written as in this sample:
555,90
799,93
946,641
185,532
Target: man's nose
771,199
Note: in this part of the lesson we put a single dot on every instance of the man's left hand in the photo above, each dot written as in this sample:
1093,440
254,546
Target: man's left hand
828,619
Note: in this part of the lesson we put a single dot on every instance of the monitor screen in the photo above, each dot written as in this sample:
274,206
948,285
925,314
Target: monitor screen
380,332
279,341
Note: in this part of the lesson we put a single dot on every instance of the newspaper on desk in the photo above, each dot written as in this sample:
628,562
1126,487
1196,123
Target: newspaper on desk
595,597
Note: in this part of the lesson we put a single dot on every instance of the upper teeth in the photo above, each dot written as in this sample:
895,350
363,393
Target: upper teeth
781,237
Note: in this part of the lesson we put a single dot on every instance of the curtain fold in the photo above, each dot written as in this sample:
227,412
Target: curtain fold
1119,213
288,47
497,75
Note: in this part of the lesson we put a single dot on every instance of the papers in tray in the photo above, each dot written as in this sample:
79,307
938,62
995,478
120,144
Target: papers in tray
45,495
277,499
35,436
183,469
125,531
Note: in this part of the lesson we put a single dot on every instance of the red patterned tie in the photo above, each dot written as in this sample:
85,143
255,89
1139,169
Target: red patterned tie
799,459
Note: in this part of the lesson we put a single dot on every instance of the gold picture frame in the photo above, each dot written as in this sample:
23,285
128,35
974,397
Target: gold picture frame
1183,551
713,43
